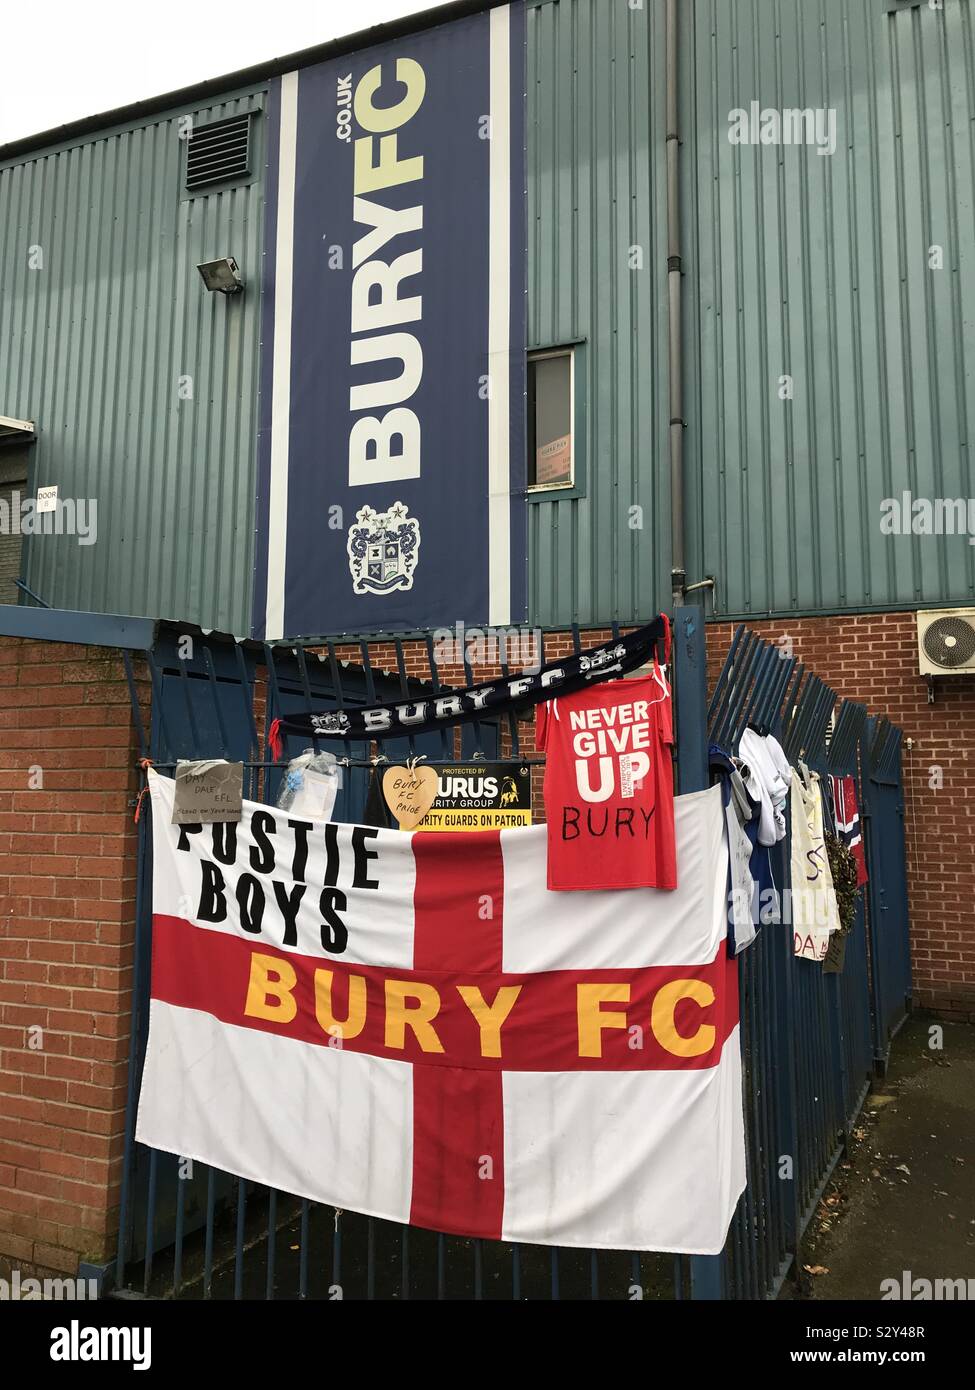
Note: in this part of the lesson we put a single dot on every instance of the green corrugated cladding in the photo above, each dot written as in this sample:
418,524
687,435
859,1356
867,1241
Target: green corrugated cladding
817,267
93,346
596,189
796,264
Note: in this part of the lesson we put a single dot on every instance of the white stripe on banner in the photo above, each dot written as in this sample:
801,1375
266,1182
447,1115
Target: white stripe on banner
277,542
499,325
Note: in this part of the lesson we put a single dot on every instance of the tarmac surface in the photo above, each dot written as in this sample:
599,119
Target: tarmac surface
902,1207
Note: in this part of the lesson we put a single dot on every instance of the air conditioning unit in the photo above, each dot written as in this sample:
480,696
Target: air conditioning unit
946,641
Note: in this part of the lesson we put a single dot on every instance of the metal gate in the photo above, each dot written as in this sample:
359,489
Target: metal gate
808,1038
190,1231
808,1043
890,960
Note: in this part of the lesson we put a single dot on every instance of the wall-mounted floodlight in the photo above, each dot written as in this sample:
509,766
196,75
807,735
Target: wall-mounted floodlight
222,275
16,431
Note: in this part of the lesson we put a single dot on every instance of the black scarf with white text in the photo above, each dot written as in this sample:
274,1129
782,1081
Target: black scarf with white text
490,698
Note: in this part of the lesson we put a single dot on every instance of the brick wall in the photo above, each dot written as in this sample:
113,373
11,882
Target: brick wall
873,659
67,912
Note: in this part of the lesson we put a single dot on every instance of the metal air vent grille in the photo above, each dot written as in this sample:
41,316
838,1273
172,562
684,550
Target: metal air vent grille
219,152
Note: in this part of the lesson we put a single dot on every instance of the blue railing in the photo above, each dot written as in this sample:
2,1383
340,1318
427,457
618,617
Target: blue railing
809,1041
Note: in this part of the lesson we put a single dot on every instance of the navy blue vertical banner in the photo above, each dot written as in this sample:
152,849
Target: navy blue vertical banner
392,412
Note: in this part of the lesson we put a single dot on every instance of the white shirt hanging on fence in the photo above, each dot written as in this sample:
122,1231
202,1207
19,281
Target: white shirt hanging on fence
780,762
743,890
815,915
767,782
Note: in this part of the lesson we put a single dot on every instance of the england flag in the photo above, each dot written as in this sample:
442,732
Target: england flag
412,1026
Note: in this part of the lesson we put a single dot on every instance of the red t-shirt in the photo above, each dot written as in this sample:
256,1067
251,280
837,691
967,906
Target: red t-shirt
609,785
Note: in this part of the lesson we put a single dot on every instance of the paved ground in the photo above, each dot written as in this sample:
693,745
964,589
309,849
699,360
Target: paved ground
906,1199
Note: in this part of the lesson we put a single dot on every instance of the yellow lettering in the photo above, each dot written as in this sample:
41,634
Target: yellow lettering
399,1017
386,171
381,118
269,989
592,1018
490,1016
662,1018
355,1019
390,169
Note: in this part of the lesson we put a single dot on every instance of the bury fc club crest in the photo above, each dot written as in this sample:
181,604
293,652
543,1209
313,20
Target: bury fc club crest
330,723
383,549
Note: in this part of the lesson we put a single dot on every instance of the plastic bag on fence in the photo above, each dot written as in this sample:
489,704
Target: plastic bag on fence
310,786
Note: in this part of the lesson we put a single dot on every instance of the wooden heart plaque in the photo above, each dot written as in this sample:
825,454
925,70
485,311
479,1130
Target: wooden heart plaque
409,795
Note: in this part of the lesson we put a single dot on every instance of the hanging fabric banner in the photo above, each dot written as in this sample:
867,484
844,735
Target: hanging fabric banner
848,822
815,916
391,451
481,701
411,1026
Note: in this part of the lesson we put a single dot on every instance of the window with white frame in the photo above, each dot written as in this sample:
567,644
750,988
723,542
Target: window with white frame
551,394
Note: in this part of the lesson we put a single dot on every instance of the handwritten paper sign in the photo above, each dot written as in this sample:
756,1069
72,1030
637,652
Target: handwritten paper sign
207,791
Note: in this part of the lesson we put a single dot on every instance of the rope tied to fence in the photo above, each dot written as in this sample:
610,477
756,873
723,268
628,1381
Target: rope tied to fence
145,764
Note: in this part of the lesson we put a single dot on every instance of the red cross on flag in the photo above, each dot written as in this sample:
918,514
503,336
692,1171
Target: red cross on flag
412,1026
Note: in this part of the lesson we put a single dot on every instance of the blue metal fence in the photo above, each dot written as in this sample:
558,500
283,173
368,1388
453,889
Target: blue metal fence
809,1040
890,961
193,1231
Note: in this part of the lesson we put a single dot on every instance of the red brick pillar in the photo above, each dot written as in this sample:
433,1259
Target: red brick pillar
68,750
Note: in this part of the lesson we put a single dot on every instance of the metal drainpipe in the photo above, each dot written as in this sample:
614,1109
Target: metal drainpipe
707,1272
678,572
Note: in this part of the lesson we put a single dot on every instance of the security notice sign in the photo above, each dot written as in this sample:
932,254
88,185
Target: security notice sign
481,796
392,431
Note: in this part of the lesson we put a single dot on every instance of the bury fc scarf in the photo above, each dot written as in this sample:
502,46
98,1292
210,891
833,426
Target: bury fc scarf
495,697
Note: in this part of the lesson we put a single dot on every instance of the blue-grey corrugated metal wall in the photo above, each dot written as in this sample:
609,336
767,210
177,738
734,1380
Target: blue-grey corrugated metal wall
596,188
795,263
818,267
92,346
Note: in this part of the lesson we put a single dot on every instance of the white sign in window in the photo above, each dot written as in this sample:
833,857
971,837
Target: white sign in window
550,424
